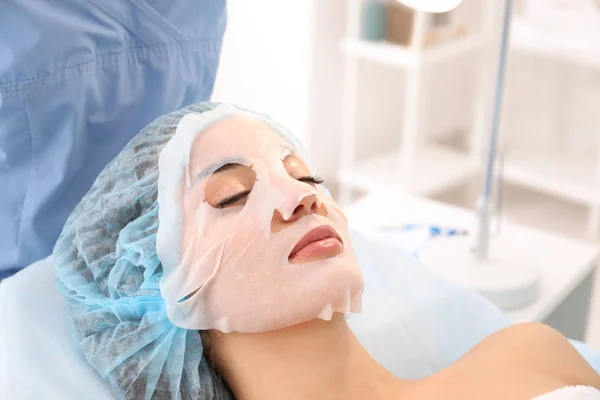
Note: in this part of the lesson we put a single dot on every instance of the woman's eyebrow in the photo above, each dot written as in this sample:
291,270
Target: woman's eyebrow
226,167
218,166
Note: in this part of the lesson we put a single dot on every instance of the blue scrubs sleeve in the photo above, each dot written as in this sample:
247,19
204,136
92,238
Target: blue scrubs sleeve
78,79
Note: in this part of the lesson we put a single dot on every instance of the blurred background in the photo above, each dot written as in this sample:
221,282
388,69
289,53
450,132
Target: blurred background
386,99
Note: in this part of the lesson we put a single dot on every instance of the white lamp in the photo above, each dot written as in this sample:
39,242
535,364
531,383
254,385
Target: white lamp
505,278
432,6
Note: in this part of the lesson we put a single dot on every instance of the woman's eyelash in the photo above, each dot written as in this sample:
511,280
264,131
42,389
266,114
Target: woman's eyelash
233,199
312,179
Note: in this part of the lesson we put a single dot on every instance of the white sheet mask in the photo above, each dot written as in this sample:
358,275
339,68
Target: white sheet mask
228,268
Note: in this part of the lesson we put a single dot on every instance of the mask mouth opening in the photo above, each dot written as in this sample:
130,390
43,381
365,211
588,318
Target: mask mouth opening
323,232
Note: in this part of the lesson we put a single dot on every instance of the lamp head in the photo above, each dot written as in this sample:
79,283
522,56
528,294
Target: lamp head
431,6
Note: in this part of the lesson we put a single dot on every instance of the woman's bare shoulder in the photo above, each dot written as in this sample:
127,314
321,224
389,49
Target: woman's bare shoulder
539,349
521,361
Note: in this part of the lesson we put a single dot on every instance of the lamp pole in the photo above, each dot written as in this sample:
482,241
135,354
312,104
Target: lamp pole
486,201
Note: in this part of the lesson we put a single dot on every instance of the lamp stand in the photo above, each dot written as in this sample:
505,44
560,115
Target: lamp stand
505,278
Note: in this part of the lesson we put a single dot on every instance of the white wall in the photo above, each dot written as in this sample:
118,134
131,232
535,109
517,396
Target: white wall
329,18
266,58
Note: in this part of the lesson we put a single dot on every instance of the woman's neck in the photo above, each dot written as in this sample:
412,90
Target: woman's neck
315,360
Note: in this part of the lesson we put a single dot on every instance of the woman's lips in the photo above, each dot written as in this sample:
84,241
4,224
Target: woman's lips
321,242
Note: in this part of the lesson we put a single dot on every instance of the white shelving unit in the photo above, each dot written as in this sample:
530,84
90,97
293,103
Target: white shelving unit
418,169
568,176
400,56
525,39
436,168
565,175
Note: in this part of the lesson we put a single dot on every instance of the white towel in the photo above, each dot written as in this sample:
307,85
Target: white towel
571,393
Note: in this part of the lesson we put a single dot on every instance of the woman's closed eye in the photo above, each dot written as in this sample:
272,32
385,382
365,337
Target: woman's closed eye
296,168
230,185
238,199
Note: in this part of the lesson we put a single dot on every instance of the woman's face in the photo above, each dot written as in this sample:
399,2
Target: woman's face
263,245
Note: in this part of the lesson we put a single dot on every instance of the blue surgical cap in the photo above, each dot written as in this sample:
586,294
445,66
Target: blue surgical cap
108,270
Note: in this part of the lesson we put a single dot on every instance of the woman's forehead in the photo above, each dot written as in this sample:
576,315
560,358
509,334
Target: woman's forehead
236,138
238,135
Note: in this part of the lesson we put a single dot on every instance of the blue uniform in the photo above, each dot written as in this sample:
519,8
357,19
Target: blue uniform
78,79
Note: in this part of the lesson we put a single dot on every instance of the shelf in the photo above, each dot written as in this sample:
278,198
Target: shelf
567,176
401,56
528,39
436,169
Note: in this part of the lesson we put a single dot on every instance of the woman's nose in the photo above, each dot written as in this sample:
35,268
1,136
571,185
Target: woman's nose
308,205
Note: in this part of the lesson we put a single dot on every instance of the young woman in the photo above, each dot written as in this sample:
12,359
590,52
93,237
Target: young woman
211,225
